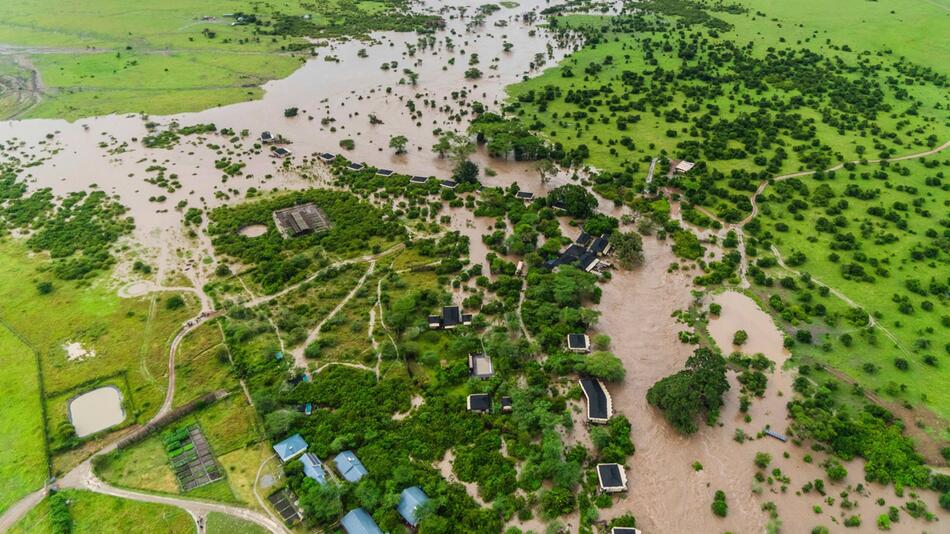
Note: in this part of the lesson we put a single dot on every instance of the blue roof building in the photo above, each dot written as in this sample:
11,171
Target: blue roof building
409,502
290,448
358,521
349,466
313,467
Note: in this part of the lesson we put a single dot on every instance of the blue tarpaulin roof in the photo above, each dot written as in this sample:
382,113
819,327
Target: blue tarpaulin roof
313,467
358,521
290,447
410,500
349,466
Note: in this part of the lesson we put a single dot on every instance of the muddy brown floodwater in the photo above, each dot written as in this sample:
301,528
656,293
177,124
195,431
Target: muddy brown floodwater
666,493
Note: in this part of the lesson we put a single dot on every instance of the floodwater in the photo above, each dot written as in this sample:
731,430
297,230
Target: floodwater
666,493
96,410
335,99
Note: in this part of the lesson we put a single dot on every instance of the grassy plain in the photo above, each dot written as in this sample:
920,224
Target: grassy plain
23,460
129,336
919,332
683,113
93,513
225,524
100,57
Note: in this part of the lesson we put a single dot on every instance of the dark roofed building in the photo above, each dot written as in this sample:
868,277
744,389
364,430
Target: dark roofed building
267,137
479,402
524,195
611,478
449,184
578,342
355,166
280,152
506,405
600,246
328,157
599,406
451,317
624,530
587,261
584,239
384,172
419,180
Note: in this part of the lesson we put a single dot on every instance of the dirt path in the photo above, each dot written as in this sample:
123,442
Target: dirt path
299,358
765,183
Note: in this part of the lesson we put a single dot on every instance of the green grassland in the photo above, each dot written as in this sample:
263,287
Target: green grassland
130,337
896,270
225,524
201,365
94,513
99,57
747,100
23,460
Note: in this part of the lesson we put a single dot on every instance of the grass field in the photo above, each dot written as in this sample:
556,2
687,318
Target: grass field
100,57
231,429
23,459
93,513
717,119
225,524
129,336
885,252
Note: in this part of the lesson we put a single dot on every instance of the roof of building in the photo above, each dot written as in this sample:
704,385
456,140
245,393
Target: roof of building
358,521
599,407
384,172
684,166
409,501
479,402
583,239
281,151
624,530
266,136
419,179
611,476
328,156
313,467
449,183
480,365
300,219
587,261
524,195
349,466
506,401
578,341
355,166
290,447
451,315
600,245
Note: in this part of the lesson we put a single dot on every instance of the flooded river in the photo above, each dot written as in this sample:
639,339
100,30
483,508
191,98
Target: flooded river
666,493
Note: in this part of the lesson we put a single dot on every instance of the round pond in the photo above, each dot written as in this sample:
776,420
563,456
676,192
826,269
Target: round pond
253,230
96,410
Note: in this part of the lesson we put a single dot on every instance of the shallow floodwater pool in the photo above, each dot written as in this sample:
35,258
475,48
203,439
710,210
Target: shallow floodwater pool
96,410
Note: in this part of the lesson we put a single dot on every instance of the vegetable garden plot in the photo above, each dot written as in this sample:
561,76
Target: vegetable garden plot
191,457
